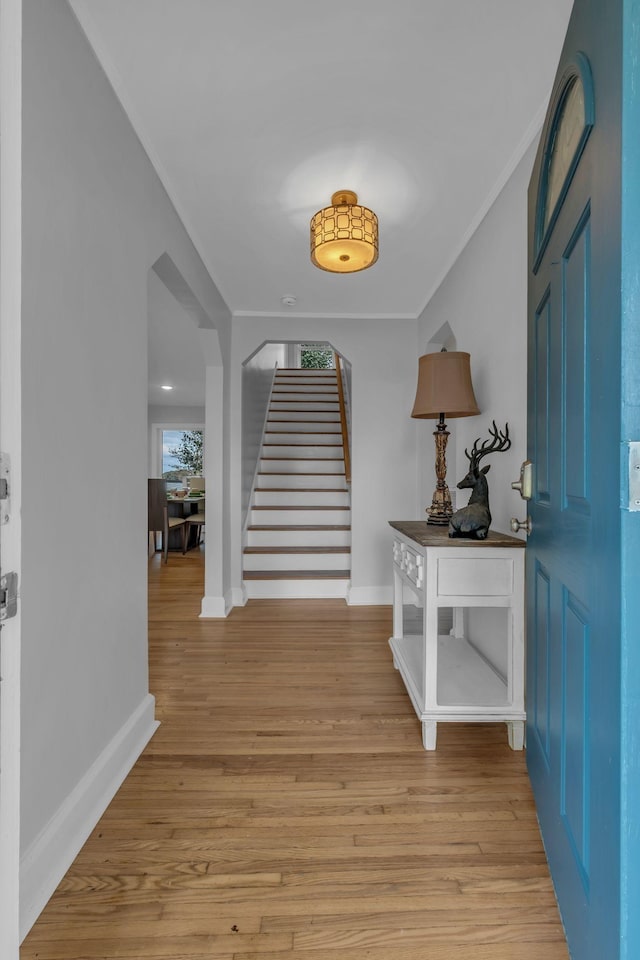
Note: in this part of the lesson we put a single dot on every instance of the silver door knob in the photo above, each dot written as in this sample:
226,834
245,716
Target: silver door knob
524,485
517,525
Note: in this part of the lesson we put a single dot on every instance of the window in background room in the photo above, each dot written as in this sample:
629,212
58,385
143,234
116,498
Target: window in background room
315,356
182,455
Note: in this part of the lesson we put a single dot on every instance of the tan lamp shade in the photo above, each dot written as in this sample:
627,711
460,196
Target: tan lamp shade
444,386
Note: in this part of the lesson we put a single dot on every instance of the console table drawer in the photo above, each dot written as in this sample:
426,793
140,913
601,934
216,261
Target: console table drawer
475,577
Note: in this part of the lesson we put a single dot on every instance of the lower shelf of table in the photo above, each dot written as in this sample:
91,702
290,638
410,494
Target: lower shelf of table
468,689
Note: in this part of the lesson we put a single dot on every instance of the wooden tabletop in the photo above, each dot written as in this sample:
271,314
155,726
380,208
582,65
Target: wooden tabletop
428,535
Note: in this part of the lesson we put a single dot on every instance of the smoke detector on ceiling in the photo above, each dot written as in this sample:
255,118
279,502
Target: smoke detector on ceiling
288,301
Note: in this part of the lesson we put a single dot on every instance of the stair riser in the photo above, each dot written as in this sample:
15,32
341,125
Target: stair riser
297,561
293,438
299,538
279,517
294,481
311,406
273,465
306,427
300,373
321,394
315,452
300,498
295,589
303,417
301,386
301,481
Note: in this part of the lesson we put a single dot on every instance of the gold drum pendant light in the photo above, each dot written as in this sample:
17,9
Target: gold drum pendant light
344,236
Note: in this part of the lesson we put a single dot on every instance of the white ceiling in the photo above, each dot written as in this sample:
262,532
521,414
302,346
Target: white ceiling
255,111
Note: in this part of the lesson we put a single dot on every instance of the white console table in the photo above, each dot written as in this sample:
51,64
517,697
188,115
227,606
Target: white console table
458,627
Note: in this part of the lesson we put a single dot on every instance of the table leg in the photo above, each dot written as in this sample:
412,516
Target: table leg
429,734
515,730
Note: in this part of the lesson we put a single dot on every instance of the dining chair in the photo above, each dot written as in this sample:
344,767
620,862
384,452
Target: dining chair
159,519
195,520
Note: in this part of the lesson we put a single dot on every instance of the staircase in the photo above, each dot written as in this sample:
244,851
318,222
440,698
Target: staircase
299,533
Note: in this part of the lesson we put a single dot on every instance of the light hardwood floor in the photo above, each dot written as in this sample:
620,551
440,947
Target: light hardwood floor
286,809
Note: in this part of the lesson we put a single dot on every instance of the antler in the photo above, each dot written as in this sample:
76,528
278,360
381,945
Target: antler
499,442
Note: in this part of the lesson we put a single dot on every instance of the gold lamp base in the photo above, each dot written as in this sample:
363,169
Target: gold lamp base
441,509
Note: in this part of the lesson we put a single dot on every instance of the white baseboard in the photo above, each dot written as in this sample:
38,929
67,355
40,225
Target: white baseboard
53,851
214,607
370,596
238,597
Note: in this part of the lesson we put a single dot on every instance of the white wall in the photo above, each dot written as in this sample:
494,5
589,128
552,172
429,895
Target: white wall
95,220
257,378
483,299
383,358
484,302
165,413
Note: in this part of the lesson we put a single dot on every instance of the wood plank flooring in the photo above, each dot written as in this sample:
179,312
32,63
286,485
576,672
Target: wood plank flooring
285,809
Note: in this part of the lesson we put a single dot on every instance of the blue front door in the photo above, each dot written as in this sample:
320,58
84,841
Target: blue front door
583,677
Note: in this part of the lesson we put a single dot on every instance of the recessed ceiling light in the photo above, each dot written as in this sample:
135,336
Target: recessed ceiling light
166,386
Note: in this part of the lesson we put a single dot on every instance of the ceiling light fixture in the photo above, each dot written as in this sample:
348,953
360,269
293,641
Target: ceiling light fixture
344,236
166,386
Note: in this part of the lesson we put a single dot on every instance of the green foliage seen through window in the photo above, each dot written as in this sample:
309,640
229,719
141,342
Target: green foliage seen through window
188,453
316,359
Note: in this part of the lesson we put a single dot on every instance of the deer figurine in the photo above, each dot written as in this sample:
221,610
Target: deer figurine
474,520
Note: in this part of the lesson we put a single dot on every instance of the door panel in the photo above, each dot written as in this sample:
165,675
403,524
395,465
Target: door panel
540,359
575,739
575,282
559,548
539,701
573,570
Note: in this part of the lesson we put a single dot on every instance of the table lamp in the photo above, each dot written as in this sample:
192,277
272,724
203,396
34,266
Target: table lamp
444,390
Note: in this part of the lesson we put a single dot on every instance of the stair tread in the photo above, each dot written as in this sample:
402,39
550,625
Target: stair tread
296,550
301,489
275,507
311,488
316,446
302,459
305,473
299,526
297,575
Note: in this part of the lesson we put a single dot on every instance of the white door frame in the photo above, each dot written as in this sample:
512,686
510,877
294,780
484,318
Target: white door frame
10,410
